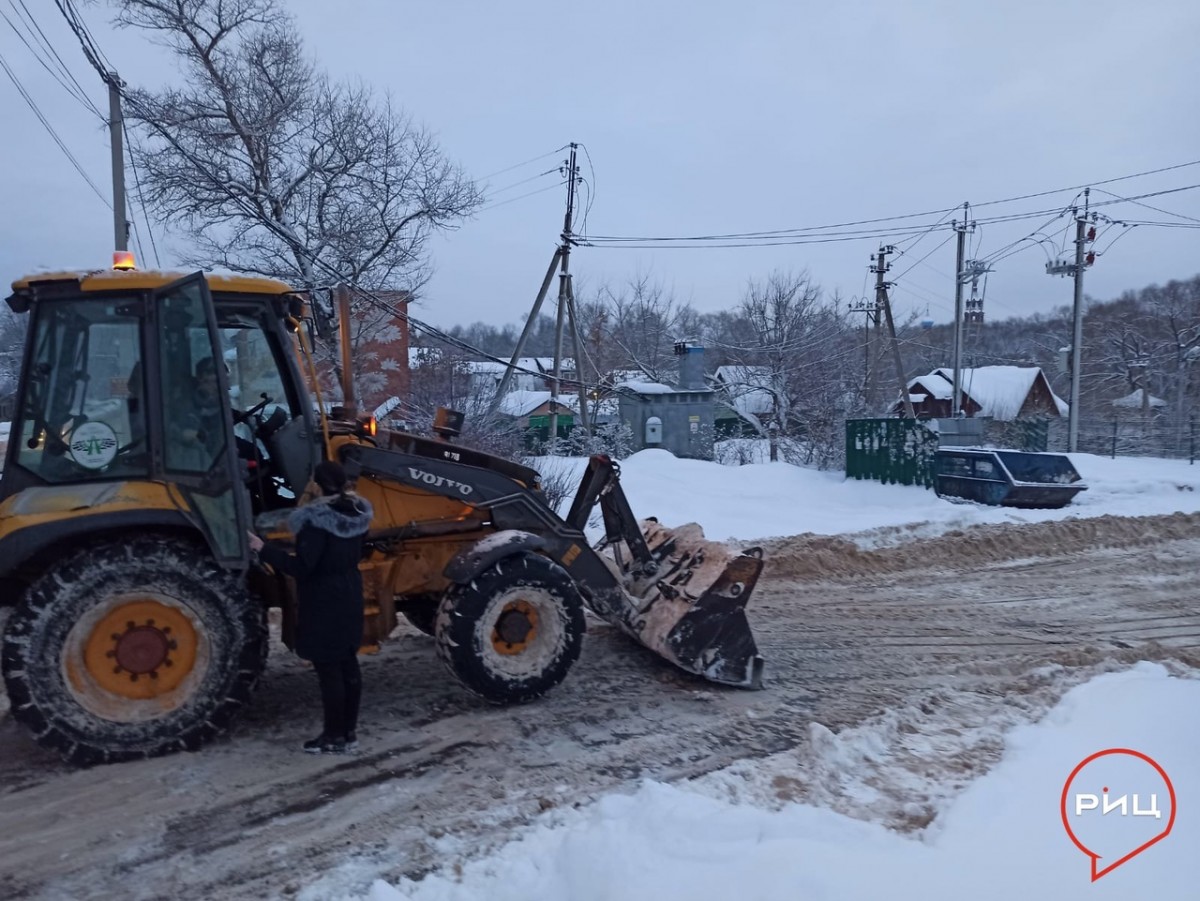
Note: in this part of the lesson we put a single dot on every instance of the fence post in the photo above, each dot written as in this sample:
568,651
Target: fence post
1114,440
1192,452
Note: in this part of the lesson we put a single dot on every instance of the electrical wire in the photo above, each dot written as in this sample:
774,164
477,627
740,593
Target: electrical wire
141,199
1149,207
75,91
924,258
525,163
523,181
798,231
50,129
591,188
492,206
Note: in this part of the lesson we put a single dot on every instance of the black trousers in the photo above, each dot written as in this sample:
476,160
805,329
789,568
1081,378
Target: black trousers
341,691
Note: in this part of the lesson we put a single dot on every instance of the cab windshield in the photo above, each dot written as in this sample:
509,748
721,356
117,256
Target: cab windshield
83,415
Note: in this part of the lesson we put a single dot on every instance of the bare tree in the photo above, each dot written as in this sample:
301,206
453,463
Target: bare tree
643,322
794,346
272,168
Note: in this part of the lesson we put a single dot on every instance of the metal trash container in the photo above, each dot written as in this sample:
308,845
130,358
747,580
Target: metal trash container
1005,478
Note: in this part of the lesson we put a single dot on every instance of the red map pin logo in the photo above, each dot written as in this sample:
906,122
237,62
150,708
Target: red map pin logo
1112,807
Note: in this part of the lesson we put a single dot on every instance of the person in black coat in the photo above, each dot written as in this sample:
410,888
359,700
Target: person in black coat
329,544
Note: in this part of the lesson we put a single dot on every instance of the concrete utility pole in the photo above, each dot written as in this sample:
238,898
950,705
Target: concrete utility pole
563,295
115,128
1061,267
882,302
956,397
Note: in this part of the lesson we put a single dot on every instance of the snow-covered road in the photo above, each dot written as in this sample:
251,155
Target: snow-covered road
945,641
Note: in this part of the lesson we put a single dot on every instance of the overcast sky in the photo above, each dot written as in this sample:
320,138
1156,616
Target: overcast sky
708,117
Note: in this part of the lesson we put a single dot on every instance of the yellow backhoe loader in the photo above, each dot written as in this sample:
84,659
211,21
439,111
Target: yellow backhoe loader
129,486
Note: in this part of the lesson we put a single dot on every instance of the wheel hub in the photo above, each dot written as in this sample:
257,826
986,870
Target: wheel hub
135,647
142,650
516,627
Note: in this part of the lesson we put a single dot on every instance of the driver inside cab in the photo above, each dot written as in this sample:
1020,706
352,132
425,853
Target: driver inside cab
203,421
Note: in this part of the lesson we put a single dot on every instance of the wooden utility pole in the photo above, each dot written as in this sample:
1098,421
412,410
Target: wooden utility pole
506,379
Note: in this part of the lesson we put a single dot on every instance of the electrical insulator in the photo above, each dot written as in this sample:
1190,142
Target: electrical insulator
1091,233
1091,257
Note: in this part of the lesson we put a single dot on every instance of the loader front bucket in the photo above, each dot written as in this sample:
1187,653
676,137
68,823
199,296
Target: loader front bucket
675,592
689,604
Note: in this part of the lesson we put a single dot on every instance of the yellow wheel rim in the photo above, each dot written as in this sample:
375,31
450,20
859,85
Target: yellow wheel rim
516,628
135,648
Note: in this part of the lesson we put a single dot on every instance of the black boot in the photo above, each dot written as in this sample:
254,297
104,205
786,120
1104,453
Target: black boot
325,744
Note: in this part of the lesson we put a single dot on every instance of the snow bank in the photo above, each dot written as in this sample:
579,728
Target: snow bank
765,500
1001,838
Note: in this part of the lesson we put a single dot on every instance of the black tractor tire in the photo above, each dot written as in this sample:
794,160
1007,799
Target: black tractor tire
469,624
422,611
193,638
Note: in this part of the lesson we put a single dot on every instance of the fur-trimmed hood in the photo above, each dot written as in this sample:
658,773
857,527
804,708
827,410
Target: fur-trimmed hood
333,515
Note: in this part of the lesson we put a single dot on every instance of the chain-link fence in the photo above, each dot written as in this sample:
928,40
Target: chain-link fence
1153,436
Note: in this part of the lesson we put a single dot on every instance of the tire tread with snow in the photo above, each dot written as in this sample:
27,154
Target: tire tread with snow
232,621
468,613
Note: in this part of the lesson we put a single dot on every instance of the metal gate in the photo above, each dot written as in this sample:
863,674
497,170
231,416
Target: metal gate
890,451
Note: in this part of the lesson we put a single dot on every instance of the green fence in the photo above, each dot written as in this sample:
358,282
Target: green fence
890,451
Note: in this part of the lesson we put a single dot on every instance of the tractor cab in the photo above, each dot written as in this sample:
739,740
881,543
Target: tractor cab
147,392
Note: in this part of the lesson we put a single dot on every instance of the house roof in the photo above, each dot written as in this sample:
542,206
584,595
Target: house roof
646,387
522,403
1000,391
1134,400
747,388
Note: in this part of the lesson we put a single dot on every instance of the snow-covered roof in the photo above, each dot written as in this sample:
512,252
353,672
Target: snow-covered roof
747,387
1134,400
646,387
1000,391
933,385
758,376
485,367
522,403
386,407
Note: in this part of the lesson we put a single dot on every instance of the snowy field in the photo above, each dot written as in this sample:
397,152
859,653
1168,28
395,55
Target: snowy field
716,837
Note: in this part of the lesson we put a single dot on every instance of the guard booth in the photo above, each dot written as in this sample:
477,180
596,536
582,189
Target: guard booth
1006,478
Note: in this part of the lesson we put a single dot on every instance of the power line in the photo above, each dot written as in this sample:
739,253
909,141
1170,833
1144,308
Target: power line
797,231
523,181
492,206
1149,207
141,199
61,62
75,91
50,129
525,163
